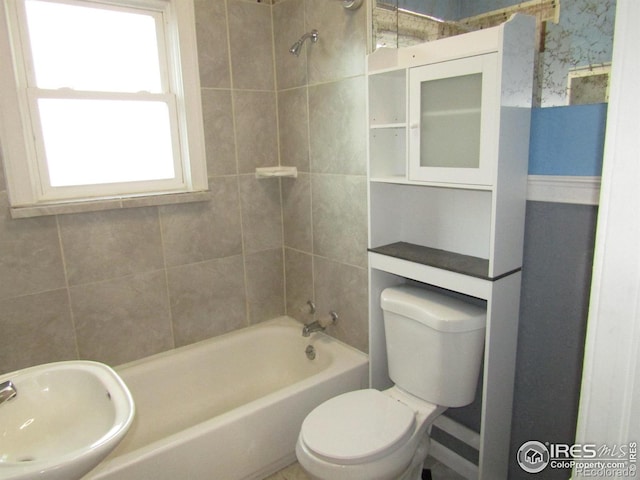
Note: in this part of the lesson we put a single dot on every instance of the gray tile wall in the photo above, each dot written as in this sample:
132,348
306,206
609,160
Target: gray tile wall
118,285
321,113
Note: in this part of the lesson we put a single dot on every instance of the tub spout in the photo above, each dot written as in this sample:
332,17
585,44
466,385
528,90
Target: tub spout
320,325
312,327
7,391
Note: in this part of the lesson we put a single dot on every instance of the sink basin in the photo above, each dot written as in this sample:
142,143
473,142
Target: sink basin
64,419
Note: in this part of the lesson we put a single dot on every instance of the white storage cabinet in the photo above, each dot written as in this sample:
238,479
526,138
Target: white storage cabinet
448,153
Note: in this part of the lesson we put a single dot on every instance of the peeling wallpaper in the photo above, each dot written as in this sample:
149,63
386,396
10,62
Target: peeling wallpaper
582,36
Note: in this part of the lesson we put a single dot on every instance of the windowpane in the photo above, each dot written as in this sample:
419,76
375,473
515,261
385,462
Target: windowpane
90,142
92,111
93,49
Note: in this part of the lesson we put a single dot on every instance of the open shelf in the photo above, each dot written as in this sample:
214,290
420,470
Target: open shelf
454,262
433,257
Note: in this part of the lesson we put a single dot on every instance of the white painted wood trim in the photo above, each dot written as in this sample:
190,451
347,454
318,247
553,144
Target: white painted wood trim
564,189
610,395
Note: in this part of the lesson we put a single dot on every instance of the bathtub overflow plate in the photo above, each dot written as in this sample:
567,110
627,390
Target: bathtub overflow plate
311,352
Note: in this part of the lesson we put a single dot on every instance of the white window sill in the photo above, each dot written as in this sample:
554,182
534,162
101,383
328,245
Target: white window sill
108,204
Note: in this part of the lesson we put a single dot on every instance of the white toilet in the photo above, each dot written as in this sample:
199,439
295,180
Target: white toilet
434,350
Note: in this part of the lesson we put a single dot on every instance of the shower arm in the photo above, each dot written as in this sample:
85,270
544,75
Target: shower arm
313,35
295,48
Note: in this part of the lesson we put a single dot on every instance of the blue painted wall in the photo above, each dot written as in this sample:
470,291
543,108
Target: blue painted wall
567,140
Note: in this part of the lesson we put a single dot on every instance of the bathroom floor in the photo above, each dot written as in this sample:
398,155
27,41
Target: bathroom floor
438,472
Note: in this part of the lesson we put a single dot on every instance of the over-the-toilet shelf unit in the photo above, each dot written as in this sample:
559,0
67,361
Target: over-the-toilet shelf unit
448,152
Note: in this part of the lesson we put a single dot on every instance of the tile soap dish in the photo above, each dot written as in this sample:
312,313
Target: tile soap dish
268,172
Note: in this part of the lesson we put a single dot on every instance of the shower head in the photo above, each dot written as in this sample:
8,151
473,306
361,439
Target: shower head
295,48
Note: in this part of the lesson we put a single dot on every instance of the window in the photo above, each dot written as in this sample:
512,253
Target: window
103,102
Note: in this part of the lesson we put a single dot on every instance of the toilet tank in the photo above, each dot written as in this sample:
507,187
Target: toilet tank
434,344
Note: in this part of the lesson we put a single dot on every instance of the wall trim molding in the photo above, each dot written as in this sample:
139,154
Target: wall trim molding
564,189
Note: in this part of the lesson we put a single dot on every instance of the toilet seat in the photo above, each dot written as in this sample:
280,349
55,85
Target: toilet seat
357,427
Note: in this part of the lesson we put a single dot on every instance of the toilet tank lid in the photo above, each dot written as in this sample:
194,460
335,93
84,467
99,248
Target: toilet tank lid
436,310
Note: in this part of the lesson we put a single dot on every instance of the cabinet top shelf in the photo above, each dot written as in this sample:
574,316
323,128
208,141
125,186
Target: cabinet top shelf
454,262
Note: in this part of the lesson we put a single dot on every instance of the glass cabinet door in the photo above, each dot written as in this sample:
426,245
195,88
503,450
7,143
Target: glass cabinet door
453,112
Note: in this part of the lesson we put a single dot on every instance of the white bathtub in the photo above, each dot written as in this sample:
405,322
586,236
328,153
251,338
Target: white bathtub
230,407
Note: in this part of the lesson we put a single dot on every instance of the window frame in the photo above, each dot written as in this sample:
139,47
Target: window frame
24,177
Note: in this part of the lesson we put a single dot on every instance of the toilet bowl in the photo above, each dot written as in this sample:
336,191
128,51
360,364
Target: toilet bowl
434,347
367,435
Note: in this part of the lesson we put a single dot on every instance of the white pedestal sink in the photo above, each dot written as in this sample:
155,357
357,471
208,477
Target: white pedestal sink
64,418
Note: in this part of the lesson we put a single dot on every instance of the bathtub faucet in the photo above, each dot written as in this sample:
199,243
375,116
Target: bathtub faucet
7,391
312,327
320,325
